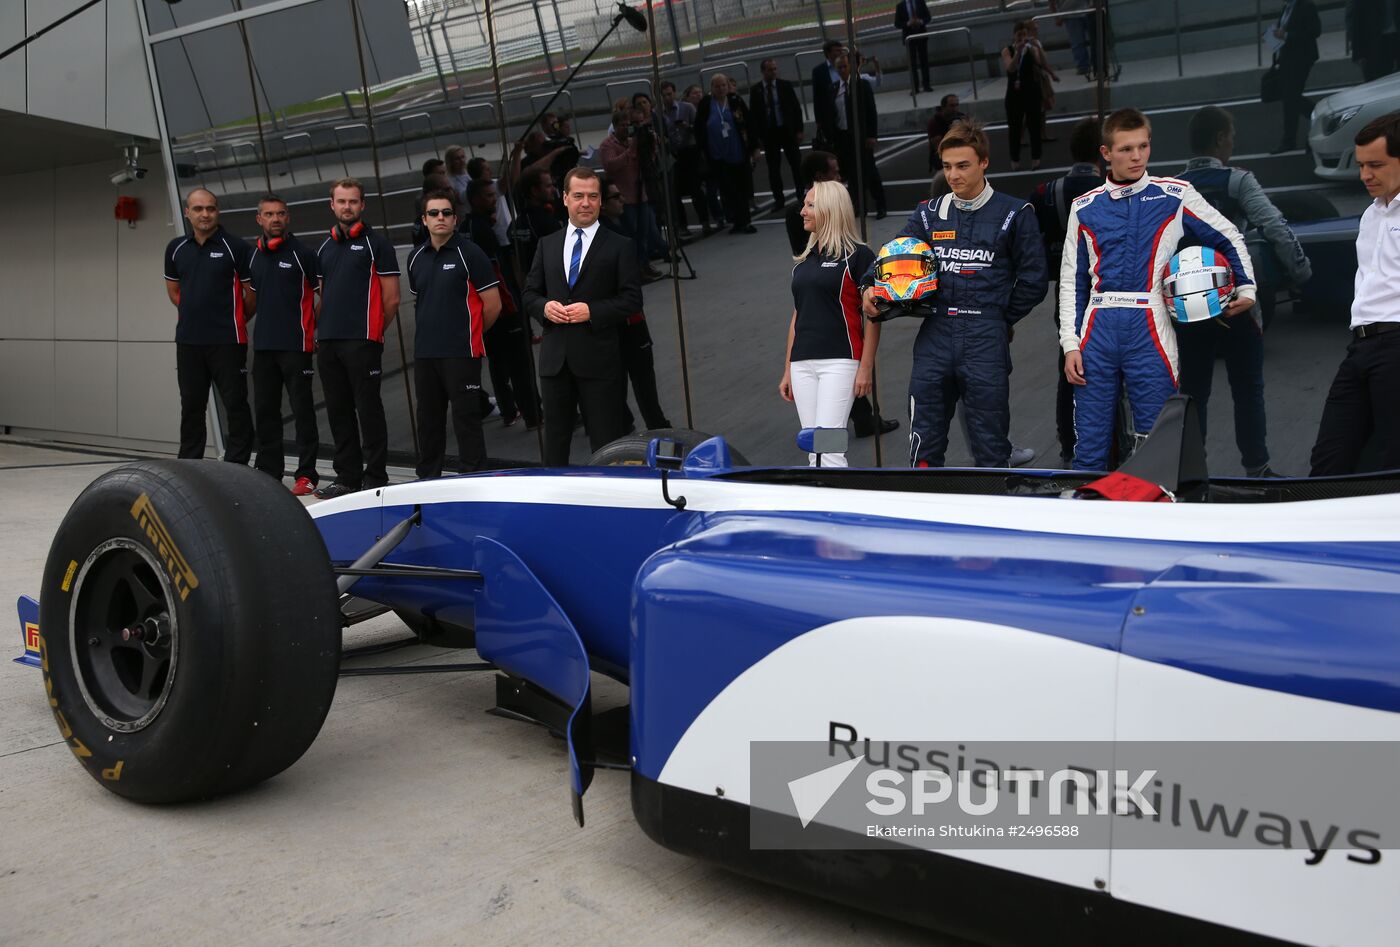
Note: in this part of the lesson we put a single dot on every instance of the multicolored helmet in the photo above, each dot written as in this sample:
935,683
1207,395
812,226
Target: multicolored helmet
1198,285
906,276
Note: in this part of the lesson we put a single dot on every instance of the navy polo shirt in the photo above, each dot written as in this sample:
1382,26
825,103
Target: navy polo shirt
211,295
352,303
285,281
447,285
826,295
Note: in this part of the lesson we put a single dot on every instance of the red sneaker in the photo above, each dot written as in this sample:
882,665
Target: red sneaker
303,487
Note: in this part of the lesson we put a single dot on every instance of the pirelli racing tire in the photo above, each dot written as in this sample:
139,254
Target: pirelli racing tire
631,450
190,629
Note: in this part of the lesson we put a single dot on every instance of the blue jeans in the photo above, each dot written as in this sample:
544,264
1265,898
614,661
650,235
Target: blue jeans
640,219
1241,341
1081,40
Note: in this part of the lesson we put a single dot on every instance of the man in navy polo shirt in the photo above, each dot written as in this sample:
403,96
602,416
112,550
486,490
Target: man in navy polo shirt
203,276
283,277
359,298
457,300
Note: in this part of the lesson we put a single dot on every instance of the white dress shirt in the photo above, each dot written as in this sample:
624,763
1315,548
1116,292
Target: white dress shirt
570,238
1377,296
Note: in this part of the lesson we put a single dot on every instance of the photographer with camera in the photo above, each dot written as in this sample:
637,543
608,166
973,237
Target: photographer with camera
679,116
620,154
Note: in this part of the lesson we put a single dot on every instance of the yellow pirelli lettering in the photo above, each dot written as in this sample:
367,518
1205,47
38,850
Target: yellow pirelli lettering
113,774
176,565
68,576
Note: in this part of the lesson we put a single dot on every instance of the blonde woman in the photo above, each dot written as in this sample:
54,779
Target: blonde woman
830,346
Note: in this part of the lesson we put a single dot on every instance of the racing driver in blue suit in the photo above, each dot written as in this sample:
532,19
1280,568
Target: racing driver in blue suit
1113,321
992,272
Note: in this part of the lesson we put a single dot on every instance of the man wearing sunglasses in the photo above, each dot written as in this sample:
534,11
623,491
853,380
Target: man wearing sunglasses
457,300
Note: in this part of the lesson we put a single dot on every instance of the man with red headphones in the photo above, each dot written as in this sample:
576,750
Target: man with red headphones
204,274
283,275
359,299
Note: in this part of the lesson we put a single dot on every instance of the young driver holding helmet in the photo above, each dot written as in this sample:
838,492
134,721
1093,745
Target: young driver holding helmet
991,273
1113,321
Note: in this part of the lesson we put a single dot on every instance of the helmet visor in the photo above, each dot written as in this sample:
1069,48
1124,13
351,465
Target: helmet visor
905,268
900,273
1198,281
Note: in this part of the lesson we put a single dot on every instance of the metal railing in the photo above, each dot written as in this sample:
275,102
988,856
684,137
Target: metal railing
403,135
802,89
310,150
466,129
340,145
924,38
639,84
722,67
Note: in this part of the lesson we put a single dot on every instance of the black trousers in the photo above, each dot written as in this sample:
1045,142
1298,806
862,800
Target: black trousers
600,399
637,359
350,375
775,148
273,371
687,181
918,63
1291,80
510,369
441,383
1024,111
226,368
846,150
735,185
1064,415
1364,401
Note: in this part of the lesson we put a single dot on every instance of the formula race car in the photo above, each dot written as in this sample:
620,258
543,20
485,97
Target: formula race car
190,623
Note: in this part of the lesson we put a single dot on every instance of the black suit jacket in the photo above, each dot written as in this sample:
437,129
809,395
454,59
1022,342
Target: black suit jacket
823,100
869,118
901,17
1299,50
762,122
608,281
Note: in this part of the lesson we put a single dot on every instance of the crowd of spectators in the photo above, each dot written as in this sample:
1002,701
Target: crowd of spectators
705,147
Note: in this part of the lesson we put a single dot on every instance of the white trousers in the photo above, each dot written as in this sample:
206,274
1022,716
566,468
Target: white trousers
823,389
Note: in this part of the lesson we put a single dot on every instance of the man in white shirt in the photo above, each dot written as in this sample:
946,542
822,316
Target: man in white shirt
1365,395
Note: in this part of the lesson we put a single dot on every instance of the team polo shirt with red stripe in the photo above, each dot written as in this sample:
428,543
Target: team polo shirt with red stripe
447,285
826,294
352,301
211,296
284,277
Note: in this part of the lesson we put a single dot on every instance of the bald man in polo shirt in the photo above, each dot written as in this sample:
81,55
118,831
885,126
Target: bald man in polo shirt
205,278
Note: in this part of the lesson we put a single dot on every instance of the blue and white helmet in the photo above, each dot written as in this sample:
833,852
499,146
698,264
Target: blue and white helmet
1198,285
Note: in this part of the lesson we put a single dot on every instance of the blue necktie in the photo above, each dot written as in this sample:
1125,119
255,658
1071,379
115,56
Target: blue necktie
576,259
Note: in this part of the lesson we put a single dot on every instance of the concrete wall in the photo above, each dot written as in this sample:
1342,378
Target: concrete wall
90,71
86,332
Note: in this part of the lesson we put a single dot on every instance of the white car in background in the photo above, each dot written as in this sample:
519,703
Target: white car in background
1337,118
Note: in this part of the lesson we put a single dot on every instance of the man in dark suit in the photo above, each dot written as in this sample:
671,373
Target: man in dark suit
824,82
776,116
583,285
909,18
855,140
1298,28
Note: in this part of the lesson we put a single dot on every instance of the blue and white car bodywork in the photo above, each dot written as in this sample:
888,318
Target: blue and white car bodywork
747,605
